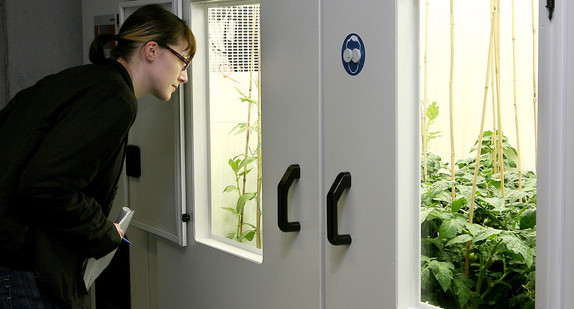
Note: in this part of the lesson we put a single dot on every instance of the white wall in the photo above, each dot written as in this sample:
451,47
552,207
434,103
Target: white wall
42,37
471,39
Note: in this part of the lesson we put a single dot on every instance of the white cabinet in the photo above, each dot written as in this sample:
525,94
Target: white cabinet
326,121
331,124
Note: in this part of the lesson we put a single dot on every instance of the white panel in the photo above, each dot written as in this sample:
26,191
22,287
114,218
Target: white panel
553,160
569,181
407,155
359,130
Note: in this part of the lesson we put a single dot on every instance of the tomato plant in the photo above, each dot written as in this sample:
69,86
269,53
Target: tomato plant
501,240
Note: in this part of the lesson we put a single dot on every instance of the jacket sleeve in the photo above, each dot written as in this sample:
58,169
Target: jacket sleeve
54,185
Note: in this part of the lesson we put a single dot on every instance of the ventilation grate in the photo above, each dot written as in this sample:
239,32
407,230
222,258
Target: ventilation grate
233,43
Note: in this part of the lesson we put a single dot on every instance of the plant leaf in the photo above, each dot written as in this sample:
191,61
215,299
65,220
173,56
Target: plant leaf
234,164
230,188
442,271
485,233
462,289
528,219
519,247
249,224
246,161
244,172
437,242
239,128
463,238
242,200
247,235
424,213
457,205
231,210
450,227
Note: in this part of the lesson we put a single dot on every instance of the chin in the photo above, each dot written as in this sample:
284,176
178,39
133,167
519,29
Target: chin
163,96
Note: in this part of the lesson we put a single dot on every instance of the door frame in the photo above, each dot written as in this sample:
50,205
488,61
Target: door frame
555,66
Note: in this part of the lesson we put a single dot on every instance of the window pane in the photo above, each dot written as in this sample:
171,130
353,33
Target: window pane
234,113
478,229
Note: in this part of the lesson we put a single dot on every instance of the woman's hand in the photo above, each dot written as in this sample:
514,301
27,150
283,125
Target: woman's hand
120,231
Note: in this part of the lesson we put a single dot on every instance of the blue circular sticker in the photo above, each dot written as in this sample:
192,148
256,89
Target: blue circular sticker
353,54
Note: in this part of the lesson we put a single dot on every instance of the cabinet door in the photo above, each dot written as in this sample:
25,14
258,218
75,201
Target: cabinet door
156,147
212,272
359,138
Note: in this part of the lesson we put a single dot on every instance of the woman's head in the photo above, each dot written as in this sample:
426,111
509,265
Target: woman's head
155,46
148,23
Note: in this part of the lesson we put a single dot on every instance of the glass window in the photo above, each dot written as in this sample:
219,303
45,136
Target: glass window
233,112
478,66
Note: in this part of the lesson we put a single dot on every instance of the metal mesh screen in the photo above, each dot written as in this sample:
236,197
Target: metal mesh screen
234,38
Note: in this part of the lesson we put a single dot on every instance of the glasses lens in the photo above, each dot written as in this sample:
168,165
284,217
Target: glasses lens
178,55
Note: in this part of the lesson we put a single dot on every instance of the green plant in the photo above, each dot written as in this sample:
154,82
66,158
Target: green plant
242,165
431,115
502,237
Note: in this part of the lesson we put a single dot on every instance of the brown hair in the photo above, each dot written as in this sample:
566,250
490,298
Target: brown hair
148,23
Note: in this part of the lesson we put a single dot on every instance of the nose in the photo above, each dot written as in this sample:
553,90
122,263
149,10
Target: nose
182,77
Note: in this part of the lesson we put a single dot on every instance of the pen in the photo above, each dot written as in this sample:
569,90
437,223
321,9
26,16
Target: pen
125,240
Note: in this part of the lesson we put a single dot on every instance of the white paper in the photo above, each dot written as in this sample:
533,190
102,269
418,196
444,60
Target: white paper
95,267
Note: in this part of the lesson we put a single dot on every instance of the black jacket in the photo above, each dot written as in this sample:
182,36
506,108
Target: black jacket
62,144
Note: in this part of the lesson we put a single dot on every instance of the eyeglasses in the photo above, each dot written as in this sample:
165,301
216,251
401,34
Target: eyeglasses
178,55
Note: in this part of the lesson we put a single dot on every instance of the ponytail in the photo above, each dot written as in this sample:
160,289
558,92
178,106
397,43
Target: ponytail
148,23
97,48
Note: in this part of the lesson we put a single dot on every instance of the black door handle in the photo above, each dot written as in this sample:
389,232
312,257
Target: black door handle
342,182
293,172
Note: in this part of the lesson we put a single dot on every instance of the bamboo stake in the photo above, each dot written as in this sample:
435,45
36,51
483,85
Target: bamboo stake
452,156
479,146
252,65
497,60
425,99
515,99
534,85
494,128
494,136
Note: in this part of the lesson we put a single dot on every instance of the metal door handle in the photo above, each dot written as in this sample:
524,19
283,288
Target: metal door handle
342,182
293,172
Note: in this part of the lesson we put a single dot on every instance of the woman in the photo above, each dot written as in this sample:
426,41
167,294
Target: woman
62,150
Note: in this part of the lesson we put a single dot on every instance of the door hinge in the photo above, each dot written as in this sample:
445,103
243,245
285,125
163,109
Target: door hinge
185,218
550,7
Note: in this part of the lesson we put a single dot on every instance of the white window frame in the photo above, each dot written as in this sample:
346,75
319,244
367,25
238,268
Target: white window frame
554,183
195,12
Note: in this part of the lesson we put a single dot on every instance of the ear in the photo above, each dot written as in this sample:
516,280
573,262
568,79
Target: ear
150,50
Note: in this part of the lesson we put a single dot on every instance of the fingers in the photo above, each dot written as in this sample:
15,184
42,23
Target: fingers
120,231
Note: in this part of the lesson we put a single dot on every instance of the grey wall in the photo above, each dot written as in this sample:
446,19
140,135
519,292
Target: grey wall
3,56
37,38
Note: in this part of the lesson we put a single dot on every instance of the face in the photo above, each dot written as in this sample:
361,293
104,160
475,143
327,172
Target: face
167,73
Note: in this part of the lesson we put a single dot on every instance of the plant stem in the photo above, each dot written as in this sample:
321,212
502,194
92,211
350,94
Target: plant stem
452,156
497,61
239,219
479,148
246,154
484,266
252,67
500,280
